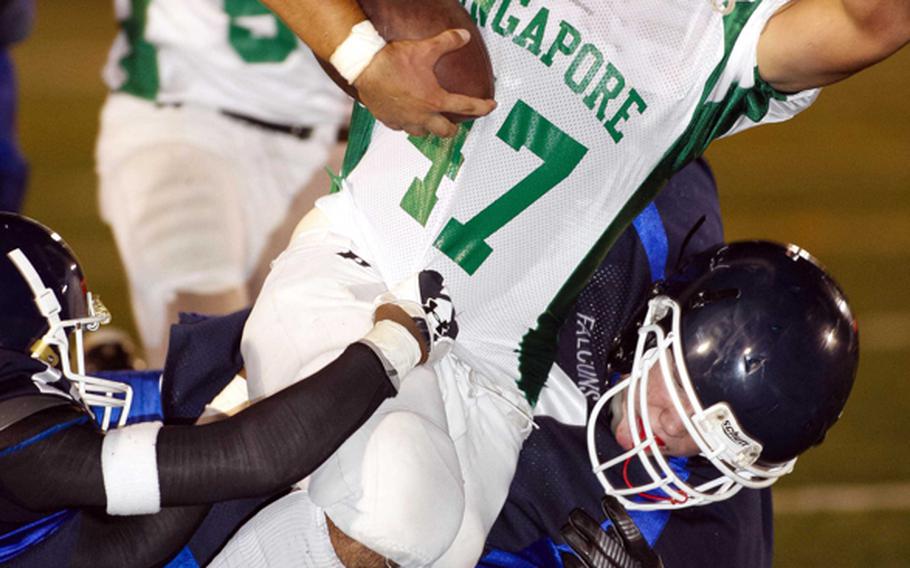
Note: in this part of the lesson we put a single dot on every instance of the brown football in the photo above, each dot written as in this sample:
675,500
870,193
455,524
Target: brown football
466,71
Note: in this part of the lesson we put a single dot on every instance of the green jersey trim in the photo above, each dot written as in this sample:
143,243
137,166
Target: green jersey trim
537,349
140,64
361,133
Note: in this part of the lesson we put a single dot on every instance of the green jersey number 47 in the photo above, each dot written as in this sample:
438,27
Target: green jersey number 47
465,242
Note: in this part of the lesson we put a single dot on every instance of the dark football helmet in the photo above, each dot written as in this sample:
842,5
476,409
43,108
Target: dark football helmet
44,301
757,349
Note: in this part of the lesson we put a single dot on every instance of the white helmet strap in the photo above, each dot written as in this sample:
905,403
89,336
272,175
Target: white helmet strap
45,298
93,391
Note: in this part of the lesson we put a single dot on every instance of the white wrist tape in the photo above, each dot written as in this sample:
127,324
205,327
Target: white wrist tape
357,50
129,466
395,346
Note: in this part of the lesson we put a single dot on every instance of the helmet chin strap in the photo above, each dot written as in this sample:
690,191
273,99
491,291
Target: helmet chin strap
93,391
44,297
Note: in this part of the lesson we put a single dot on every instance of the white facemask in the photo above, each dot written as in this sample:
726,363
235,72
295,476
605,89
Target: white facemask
91,391
714,430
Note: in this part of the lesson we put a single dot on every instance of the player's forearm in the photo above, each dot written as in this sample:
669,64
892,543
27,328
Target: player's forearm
275,442
812,43
263,449
145,541
321,24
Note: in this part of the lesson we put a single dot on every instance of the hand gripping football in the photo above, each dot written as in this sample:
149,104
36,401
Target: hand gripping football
465,71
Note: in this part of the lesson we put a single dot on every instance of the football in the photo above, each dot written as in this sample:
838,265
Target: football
466,71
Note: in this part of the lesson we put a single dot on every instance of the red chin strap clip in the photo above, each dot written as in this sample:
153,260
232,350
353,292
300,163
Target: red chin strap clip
649,496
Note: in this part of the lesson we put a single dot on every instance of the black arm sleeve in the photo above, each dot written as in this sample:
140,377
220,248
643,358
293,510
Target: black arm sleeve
142,541
262,449
278,440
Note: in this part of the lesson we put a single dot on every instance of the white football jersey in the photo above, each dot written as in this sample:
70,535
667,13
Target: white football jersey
600,101
231,55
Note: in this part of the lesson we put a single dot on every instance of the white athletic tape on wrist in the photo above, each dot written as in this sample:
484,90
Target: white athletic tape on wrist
393,344
353,55
129,466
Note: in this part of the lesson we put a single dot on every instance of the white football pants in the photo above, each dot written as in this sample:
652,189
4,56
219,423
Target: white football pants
193,197
422,481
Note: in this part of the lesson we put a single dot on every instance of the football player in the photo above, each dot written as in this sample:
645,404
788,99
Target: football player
62,477
743,359
554,474
211,146
598,104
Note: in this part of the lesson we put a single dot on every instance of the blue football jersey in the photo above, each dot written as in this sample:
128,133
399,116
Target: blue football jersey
554,475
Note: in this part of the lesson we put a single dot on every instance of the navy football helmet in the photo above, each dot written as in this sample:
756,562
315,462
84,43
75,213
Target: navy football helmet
44,301
757,350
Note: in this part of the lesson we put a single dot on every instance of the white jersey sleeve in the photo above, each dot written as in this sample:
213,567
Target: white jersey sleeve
229,55
600,102
766,104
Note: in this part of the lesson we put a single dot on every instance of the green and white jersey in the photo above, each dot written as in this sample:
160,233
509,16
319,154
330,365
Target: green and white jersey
231,55
600,101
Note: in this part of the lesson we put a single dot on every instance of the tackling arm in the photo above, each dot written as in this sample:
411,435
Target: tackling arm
264,448
812,43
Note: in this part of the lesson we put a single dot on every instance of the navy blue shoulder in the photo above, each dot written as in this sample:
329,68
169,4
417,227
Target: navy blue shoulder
22,376
683,220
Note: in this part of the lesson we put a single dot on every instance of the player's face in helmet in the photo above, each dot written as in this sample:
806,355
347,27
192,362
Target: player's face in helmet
669,428
745,359
45,307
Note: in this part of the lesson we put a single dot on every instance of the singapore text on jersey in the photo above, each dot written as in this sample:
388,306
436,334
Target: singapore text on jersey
589,74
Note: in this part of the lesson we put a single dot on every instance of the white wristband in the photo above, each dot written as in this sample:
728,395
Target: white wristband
357,50
129,466
395,346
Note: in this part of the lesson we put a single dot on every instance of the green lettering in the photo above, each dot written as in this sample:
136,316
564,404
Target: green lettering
623,114
445,160
534,32
598,59
141,61
603,89
480,9
511,22
251,47
465,243
559,44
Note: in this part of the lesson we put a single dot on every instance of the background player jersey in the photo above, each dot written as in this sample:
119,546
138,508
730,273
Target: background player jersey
598,103
231,55
554,475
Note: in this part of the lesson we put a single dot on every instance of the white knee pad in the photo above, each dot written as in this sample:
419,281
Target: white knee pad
396,484
467,547
411,498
